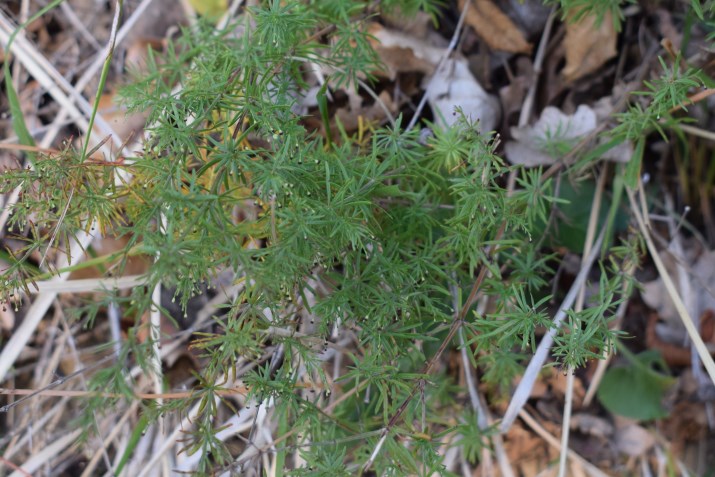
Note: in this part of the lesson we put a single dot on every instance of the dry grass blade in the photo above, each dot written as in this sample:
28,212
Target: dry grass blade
693,333
90,73
495,27
38,65
578,306
592,470
37,311
55,84
42,458
88,284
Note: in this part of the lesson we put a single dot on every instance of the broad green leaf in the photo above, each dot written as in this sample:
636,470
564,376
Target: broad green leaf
568,226
636,390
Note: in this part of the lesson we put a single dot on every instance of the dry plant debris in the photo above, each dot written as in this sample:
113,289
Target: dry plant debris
589,43
553,97
495,27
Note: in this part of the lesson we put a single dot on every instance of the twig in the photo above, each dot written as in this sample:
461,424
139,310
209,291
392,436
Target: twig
603,363
709,135
79,26
91,71
553,442
695,98
482,417
39,459
538,65
50,79
117,428
10,464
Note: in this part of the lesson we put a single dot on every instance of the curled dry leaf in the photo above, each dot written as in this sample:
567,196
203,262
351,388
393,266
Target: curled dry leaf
701,273
495,27
588,45
671,343
401,53
417,25
552,135
375,113
592,425
634,440
454,85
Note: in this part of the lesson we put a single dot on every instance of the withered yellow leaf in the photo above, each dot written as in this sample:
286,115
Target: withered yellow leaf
211,9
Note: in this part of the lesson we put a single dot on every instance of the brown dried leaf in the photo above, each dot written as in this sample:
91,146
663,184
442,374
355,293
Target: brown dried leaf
135,265
403,53
495,27
417,25
533,145
350,117
588,45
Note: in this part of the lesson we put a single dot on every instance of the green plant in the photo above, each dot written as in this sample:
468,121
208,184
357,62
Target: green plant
636,390
386,244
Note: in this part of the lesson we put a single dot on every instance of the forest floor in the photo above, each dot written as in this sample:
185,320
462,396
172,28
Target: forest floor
523,71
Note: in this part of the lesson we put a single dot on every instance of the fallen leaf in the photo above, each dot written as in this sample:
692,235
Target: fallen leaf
634,440
125,125
592,425
558,383
211,9
403,53
636,389
588,45
350,116
550,137
138,51
701,274
416,25
495,27
454,85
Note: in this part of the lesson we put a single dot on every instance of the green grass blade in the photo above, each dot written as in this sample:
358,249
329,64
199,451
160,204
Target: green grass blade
18,119
102,78
132,444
